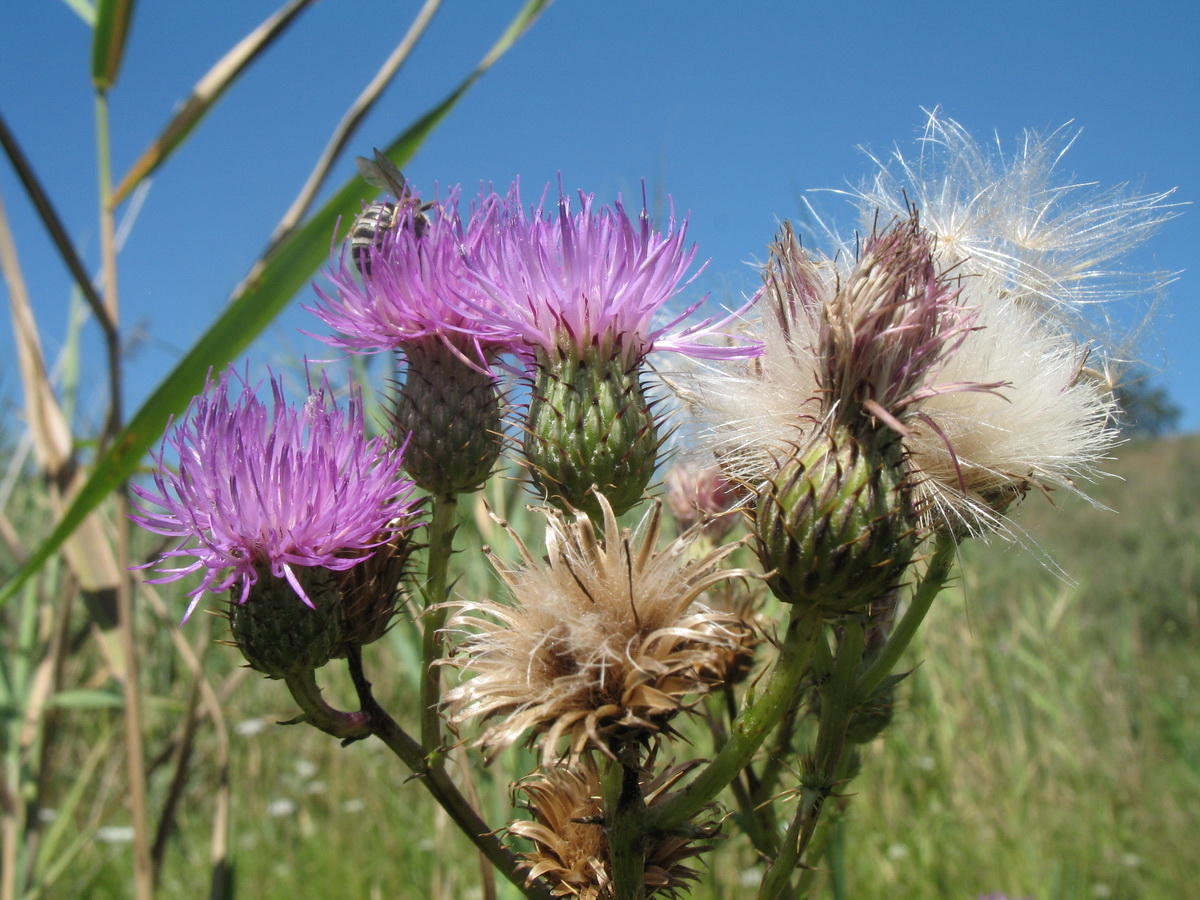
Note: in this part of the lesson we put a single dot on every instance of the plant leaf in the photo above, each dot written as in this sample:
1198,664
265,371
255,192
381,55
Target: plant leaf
108,40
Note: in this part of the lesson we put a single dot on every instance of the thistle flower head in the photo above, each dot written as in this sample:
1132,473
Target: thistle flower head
996,399
1035,256
603,641
975,455
582,291
858,346
571,852
593,280
418,288
883,333
267,490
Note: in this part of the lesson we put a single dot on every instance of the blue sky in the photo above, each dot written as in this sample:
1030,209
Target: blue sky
736,110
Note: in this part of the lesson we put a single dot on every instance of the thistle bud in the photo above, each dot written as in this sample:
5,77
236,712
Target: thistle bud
702,496
370,591
590,425
281,636
870,720
449,412
835,523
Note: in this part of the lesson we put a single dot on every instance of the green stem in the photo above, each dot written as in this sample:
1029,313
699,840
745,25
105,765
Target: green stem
841,696
441,546
936,575
432,774
838,705
778,752
756,821
819,844
749,730
350,726
625,825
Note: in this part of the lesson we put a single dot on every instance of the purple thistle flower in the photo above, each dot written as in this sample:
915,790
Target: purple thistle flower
566,282
273,489
417,287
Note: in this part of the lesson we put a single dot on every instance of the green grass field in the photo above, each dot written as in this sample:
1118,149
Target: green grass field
1046,746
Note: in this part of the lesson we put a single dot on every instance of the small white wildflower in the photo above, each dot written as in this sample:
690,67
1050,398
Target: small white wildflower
280,808
115,834
250,727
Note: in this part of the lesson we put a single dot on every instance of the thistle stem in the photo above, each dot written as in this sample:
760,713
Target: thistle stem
350,726
838,704
625,825
936,575
757,720
441,546
841,696
758,823
432,774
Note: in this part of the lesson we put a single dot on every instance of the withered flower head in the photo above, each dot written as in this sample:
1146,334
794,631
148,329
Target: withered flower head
604,640
1038,258
571,850
856,348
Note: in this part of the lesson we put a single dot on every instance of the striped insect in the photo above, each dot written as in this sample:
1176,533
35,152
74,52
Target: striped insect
378,219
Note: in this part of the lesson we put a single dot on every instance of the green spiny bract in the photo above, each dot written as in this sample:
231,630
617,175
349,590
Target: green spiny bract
452,412
590,424
835,523
279,634
370,591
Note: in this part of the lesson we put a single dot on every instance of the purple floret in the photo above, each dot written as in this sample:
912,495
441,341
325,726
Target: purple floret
592,278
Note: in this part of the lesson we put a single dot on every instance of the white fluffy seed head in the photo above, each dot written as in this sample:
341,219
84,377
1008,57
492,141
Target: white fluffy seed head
1044,241
1035,260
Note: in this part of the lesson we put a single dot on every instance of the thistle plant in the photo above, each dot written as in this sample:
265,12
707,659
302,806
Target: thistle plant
402,293
304,521
581,291
863,414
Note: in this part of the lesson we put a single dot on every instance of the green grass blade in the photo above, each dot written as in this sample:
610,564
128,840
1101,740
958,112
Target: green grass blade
87,698
113,18
84,10
52,856
264,294
206,93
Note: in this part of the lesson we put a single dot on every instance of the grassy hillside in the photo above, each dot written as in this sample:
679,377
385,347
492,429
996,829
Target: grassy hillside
1050,747
1047,745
